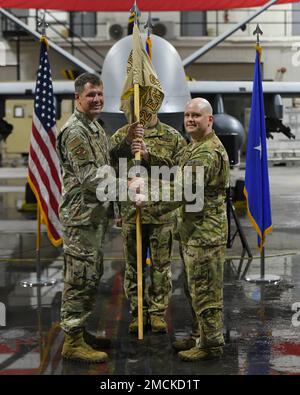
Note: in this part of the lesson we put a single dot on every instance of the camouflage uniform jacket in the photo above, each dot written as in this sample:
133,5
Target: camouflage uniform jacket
209,226
163,143
82,147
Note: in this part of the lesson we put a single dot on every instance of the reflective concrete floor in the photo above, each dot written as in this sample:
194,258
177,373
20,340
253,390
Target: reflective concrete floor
261,329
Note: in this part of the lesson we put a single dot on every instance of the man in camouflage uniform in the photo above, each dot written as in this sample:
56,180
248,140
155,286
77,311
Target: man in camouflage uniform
161,144
82,148
203,235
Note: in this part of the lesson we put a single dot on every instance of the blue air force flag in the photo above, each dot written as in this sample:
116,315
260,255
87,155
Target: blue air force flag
257,190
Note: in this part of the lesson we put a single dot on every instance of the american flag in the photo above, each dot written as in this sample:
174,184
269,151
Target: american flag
43,165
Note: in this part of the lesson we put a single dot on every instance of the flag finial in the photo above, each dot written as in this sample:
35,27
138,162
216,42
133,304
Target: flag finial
42,22
134,9
149,25
258,32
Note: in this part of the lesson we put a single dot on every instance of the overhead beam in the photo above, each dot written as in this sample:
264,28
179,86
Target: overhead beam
285,89
213,43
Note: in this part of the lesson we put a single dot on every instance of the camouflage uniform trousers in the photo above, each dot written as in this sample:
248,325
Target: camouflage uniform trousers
159,239
83,268
203,268
195,326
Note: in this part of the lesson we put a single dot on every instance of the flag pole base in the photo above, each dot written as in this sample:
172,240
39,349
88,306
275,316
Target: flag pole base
42,282
266,279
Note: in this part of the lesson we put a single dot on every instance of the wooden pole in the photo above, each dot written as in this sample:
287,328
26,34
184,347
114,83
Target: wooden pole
38,244
38,280
139,251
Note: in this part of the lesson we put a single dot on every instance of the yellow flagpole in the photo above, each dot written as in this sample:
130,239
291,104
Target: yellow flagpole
139,251
137,157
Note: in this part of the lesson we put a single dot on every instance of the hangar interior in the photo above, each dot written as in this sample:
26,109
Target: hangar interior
261,322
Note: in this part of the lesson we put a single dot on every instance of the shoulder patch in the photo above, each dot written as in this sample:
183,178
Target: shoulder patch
75,143
80,152
78,147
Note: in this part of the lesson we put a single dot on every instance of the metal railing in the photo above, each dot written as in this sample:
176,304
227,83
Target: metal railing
54,30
